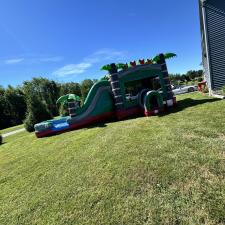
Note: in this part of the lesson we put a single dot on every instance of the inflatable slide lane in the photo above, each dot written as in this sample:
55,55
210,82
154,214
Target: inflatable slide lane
98,106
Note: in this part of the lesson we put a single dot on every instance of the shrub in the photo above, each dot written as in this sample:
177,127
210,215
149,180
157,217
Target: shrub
29,122
1,139
36,113
200,79
205,90
223,90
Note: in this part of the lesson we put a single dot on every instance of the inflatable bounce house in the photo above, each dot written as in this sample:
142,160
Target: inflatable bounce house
133,90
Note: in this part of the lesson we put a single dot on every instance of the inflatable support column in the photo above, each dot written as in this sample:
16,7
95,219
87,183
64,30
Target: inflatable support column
72,108
170,100
118,98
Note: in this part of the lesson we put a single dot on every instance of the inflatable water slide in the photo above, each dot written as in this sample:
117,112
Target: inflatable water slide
142,89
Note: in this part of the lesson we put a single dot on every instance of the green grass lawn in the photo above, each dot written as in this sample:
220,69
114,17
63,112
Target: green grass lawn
158,170
7,130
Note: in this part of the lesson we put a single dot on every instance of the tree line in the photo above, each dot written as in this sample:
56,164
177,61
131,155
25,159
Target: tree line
35,100
190,76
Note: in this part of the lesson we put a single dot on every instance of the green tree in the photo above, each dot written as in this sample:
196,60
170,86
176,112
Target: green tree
85,87
12,106
15,104
36,112
191,74
200,73
183,78
2,90
176,78
70,88
4,113
194,74
45,90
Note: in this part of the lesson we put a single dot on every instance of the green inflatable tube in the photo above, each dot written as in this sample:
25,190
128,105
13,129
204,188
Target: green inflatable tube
148,103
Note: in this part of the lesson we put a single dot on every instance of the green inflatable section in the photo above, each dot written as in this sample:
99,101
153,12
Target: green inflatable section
149,100
98,102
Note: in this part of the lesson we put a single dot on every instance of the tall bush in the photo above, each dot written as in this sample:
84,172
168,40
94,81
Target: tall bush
36,112
16,105
12,106
223,90
46,90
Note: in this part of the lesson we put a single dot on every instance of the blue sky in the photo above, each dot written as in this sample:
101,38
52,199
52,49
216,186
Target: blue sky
69,40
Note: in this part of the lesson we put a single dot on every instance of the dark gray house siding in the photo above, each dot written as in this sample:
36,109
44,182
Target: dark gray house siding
212,19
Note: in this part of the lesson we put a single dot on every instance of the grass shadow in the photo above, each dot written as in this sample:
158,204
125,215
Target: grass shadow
98,124
188,103
181,105
103,124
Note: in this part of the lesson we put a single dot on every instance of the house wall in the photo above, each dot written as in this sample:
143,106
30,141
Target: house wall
212,16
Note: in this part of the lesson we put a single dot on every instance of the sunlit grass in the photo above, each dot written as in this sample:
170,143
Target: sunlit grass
7,130
157,170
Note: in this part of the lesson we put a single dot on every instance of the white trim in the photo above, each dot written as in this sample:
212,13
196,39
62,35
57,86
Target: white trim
113,82
218,96
207,49
112,74
119,103
116,89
